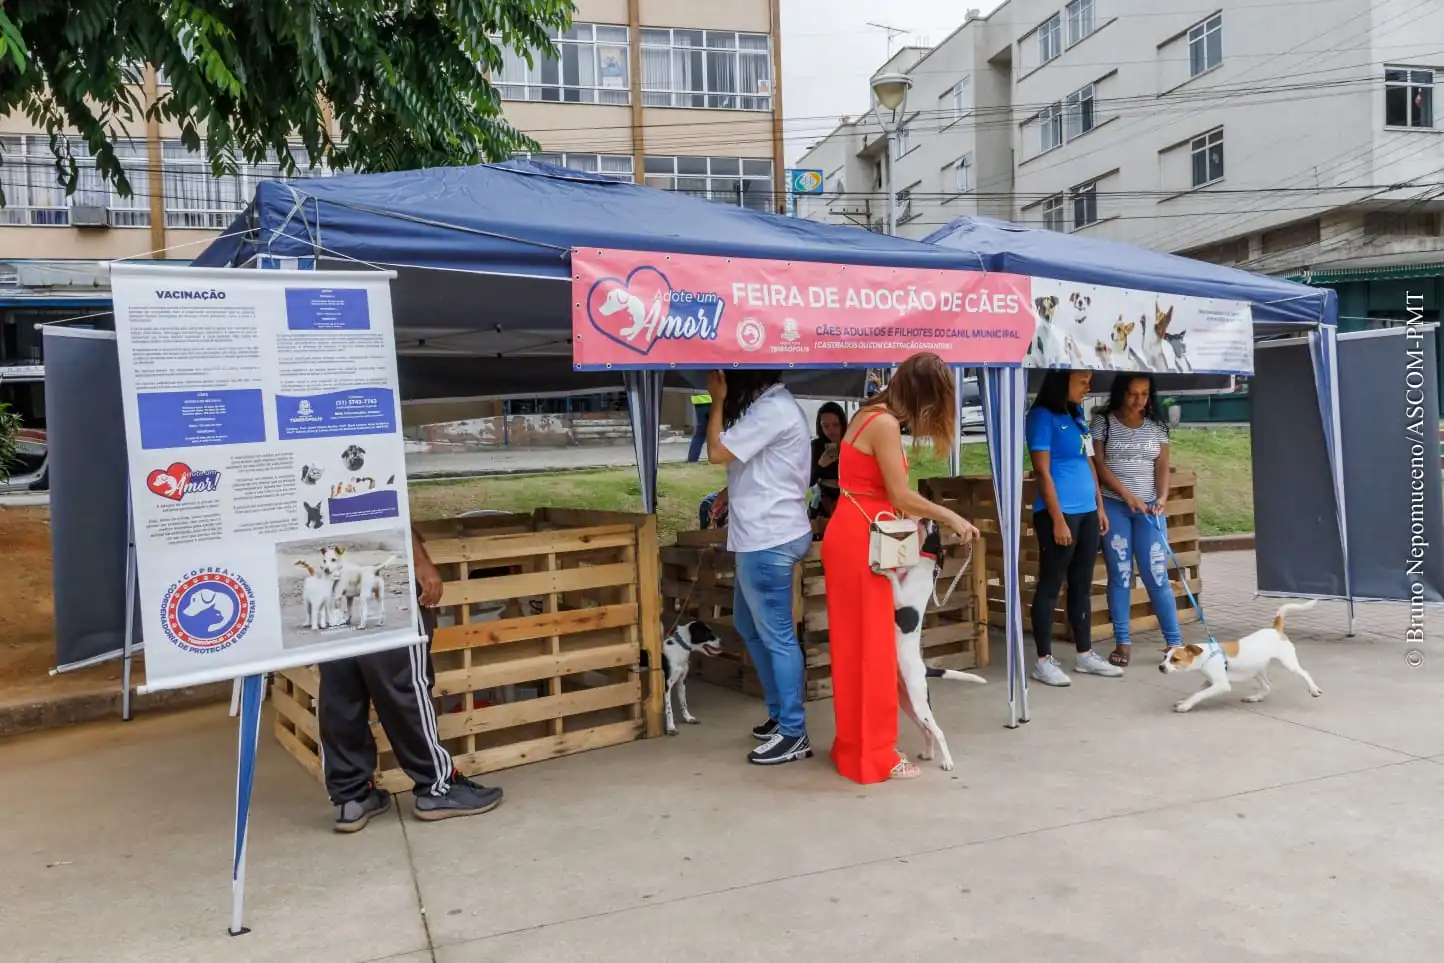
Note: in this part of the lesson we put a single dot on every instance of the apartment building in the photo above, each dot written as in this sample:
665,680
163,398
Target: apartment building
676,94
1300,140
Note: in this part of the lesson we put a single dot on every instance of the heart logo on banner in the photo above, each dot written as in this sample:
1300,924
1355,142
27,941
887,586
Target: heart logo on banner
170,482
619,309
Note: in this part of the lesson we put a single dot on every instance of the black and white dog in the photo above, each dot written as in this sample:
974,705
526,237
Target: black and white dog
677,649
911,589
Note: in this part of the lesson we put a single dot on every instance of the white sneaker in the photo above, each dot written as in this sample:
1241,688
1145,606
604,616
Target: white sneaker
1091,663
1049,672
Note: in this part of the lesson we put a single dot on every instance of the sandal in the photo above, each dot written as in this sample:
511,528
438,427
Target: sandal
905,769
1121,655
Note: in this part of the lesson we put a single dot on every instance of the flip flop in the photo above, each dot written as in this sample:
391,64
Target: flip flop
1120,656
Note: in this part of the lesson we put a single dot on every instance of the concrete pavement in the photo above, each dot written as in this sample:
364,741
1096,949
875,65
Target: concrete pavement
1107,829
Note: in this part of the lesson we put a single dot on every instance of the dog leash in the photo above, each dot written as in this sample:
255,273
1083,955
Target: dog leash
1214,647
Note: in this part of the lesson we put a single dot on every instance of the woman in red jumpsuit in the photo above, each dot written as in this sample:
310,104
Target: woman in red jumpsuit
873,476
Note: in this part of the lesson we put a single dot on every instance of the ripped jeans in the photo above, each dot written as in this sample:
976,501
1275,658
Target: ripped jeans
1134,536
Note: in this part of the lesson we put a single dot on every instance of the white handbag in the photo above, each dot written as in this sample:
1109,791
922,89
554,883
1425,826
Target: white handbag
892,542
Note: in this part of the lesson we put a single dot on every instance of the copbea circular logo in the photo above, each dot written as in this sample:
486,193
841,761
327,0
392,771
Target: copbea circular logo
207,611
751,334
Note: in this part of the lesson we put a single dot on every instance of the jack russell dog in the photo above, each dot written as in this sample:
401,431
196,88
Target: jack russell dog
357,586
316,594
1249,658
677,649
911,589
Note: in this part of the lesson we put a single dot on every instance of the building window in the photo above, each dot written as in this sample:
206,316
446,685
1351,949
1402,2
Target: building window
590,68
1408,97
132,211
1078,112
1205,45
963,174
616,166
1050,39
1080,20
1207,154
730,180
1053,214
196,199
1085,205
1050,128
960,99
904,211
34,196
715,69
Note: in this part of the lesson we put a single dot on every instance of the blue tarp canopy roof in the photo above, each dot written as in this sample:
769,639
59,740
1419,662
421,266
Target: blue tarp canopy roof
522,217
993,245
459,333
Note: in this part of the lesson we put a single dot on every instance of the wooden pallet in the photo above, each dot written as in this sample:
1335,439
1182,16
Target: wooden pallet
697,583
542,622
972,497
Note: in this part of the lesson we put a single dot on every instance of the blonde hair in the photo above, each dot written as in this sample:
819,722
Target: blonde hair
923,395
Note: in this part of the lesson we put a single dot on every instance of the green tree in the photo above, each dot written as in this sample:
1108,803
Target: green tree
9,433
405,80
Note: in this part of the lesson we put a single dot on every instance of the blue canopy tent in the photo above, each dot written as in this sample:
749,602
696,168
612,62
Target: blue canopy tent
483,289
516,223
1280,309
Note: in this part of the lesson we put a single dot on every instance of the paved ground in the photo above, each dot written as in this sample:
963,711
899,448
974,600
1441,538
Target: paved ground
1108,829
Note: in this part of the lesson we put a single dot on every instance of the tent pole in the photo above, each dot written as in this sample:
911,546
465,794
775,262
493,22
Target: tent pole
132,577
249,737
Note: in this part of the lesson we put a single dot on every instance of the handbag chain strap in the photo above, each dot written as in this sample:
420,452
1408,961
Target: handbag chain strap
940,602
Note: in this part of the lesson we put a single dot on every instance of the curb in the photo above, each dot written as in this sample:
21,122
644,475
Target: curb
39,716
1242,542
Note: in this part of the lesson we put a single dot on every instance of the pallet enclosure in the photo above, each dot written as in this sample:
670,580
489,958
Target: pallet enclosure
698,575
971,496
543,619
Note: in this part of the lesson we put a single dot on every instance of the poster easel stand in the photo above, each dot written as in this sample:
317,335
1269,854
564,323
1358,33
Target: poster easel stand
132,589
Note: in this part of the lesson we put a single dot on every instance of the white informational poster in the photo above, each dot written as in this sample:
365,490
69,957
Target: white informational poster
267,468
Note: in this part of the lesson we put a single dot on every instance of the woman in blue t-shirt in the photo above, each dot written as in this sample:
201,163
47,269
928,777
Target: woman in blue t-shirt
1068,519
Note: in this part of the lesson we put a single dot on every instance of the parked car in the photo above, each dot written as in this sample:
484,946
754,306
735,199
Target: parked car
23,388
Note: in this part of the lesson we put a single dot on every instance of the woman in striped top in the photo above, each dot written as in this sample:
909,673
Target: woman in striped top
1131,455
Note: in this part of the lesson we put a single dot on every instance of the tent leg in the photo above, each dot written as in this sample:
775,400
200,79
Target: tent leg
644,410
132,576
250,730
1351,617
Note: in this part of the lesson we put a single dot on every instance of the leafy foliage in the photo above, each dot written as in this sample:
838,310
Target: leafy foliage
9,432
404,79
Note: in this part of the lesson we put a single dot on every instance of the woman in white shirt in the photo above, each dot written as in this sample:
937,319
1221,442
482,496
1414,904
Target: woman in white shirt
1130,451
757,430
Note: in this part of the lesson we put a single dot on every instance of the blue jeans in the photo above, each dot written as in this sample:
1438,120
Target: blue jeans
699,432
762,614
1137,537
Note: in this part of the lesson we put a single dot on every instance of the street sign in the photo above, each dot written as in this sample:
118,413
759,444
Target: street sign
804,182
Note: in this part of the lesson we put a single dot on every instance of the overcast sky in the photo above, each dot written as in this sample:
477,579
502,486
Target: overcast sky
829,52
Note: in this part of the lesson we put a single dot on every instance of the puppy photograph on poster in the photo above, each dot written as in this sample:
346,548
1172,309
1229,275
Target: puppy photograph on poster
347,586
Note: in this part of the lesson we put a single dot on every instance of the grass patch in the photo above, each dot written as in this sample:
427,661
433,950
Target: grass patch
1220,456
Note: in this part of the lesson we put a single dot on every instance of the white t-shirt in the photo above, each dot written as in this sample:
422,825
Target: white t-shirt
767,479
1130,453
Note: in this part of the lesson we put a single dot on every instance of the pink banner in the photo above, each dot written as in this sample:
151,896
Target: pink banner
636,309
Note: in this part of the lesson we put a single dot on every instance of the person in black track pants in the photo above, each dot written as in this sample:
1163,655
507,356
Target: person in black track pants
398,683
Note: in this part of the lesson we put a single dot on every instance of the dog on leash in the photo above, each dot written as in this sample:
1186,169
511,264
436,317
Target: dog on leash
1249,658
677,649
911,588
